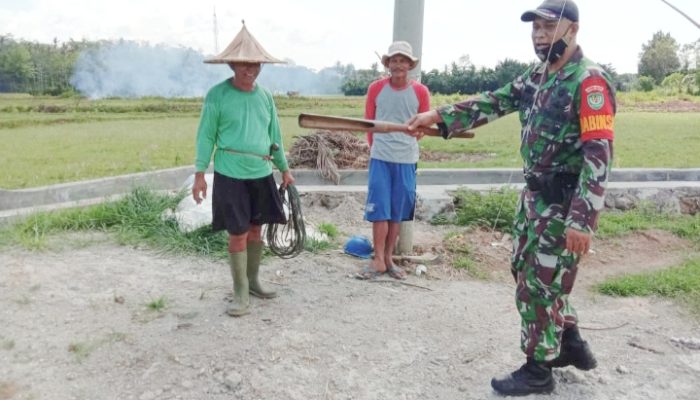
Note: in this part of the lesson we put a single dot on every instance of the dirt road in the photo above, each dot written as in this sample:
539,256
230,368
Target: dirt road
74,324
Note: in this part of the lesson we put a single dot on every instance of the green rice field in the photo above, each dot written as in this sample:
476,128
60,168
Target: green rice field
47,140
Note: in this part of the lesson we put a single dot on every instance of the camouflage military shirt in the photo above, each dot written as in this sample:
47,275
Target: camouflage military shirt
567,127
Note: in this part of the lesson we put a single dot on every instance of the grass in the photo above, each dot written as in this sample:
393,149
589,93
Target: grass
134,220
71,152
493,210
158,304
316,246
614,224
680,283
328,229
655,140
49,140
455,243
470,266
654,96
496,208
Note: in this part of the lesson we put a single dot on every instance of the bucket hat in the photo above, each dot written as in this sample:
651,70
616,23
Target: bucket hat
400,47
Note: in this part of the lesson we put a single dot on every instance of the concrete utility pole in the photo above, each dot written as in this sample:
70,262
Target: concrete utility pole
408,26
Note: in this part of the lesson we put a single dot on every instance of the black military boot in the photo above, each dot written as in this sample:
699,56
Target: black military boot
574,351
531,378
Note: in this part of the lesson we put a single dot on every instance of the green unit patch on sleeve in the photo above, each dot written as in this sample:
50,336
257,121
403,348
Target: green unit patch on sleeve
596,100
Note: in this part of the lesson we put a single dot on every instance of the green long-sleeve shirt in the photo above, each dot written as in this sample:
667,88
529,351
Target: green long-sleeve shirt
245,122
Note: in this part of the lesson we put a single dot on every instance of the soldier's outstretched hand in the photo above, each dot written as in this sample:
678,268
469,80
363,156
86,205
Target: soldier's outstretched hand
427,118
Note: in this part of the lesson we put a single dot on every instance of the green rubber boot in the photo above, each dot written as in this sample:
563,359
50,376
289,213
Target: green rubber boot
254,255
241,299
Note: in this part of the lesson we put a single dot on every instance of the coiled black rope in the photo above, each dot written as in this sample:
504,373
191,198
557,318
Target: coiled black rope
287,241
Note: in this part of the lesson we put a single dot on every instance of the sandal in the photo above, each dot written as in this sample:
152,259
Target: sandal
368,273
396,272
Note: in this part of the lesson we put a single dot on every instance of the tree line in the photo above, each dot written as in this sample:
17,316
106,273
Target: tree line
663,63
41,68
38,68
460,77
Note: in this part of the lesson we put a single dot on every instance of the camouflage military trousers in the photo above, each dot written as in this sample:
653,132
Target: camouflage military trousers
545,273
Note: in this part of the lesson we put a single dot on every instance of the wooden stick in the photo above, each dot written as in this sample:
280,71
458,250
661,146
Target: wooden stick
316,121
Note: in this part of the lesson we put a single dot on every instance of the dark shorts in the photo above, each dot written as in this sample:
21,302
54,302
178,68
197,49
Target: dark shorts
239,203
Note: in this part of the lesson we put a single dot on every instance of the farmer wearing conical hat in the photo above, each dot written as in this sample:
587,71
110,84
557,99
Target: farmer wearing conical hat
239,126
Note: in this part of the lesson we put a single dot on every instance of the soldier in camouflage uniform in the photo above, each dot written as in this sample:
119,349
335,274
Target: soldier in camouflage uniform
566,107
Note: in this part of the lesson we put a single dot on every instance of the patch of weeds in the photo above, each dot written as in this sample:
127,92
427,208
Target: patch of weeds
442,219
681,283
316,246
645,217
328,229
456,242
468,264
495,209
136,219
158,304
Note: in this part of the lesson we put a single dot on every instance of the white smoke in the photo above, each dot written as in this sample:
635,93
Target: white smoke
133,69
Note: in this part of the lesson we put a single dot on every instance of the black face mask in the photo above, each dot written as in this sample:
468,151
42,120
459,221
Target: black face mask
555,51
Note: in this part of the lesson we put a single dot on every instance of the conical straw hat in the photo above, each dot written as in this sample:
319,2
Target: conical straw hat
243,48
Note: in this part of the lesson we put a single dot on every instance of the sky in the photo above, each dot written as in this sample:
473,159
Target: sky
319,33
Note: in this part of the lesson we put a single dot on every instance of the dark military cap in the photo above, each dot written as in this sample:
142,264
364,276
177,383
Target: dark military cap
551,10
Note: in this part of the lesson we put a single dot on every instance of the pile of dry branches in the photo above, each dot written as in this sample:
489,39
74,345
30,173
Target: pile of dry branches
329,151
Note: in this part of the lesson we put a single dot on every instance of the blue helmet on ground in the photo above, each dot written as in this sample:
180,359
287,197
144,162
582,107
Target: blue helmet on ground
358,246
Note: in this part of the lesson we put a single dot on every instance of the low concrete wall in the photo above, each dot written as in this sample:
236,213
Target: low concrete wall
675,190
167,179
173,178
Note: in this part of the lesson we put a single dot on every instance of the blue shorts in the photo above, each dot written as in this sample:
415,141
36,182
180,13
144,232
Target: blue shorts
391,194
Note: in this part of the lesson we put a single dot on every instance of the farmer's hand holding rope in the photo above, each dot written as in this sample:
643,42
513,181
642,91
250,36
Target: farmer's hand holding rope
287,179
